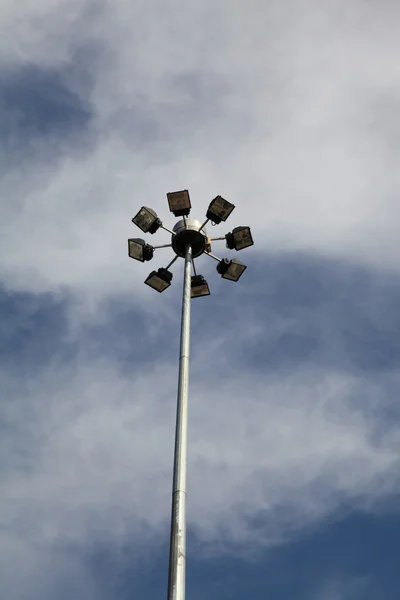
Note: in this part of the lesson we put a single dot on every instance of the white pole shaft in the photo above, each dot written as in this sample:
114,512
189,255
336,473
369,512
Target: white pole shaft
177,553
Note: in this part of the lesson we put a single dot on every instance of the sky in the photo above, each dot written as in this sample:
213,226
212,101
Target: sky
289,110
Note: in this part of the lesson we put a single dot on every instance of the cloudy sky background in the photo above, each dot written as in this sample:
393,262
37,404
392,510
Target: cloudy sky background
291,111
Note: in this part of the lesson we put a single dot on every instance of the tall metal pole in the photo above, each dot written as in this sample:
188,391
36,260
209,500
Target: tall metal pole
177,551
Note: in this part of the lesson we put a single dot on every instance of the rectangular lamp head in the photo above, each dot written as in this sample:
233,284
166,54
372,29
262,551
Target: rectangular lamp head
159,280
231,269
147,220
179,203
139,250
219,210
199,286
239,238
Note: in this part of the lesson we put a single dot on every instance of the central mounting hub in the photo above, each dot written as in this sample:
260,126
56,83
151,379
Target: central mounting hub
188,232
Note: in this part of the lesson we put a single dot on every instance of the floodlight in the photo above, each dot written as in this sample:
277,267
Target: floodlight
219,210
179,203
231,269
139,250
147,220
159,280
239,238
199,287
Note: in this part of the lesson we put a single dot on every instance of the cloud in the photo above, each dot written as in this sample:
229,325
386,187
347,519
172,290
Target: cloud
275,450
241,105
88,432
71,450
28,569
87,456
88,418
289,111
345,589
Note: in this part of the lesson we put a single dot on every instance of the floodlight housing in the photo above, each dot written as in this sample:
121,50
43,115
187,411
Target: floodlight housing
219,210
239,238
139,250
231,269
179,203
199,286
147,220
159,280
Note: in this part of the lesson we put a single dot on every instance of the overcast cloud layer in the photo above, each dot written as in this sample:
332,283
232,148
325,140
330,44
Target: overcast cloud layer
290,111
287,109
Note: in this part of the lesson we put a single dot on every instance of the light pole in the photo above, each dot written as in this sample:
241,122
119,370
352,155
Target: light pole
189,241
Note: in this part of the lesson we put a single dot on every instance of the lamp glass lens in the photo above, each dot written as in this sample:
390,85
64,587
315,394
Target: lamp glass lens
234,271
144,219
242,238
200,290
157,283
136,250
221,208
178,200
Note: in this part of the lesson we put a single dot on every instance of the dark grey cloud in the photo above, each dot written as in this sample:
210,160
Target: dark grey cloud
33,330
356,553
297,289
304,312
46,111
38,101
354,556
308,310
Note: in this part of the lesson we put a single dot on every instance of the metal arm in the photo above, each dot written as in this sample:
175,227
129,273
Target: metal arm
204,224
172,262
212,256
166,229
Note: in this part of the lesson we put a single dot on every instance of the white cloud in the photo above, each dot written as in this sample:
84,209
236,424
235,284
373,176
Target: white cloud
287,109
345,588
28,569
93,457
284,110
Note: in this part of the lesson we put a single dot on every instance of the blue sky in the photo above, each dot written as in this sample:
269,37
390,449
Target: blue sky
289,110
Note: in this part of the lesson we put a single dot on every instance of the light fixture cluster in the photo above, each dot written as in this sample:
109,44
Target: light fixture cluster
191,232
